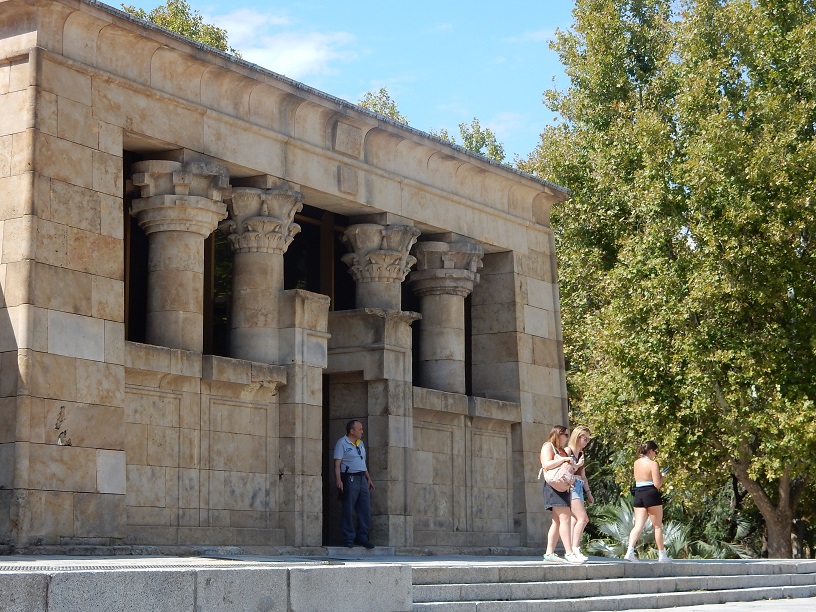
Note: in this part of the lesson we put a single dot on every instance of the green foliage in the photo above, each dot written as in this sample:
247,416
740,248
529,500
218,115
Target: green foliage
381,103
615,521
179,17
687,268
443,135
481,140
475,138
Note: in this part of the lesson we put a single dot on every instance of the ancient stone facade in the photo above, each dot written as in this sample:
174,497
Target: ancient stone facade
207,268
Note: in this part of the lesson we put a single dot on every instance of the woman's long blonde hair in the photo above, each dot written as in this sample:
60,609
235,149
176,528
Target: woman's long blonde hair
577,433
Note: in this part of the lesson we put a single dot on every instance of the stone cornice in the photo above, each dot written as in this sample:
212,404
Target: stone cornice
65,33
242,123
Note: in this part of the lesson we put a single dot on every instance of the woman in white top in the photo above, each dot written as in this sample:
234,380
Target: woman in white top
580,492
648,503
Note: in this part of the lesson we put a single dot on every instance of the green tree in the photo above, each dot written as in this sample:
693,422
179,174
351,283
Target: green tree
475,138
179,17
381,103
481,140
686,252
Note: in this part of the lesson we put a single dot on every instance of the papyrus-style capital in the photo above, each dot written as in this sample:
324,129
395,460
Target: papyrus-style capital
379,253
262,220
183,197
449,268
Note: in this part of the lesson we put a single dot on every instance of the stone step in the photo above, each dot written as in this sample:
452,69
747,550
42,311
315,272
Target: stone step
538,572
622,602
609,587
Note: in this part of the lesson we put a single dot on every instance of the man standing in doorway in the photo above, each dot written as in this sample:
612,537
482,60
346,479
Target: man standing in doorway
354,485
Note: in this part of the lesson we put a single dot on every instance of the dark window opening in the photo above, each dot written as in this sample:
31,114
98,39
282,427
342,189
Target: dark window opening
313,260
135,243
218,264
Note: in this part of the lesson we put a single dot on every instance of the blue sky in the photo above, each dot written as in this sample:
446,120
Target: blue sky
443,62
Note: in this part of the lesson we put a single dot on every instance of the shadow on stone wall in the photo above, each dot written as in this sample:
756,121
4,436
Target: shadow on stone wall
9,375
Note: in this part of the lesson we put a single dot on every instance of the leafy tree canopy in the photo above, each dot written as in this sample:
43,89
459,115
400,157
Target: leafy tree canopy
382,103
687,268
477,139
179,17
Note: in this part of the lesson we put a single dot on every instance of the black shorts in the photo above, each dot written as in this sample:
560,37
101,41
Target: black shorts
646,497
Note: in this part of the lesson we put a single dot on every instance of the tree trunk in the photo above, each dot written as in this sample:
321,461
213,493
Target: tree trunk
779,536
778,517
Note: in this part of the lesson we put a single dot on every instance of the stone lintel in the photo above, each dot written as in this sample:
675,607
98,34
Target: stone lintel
162,361
432,405
495,410
240,379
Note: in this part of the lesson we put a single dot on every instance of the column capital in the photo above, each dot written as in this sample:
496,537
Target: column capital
175,196
262,220
449,268
379,253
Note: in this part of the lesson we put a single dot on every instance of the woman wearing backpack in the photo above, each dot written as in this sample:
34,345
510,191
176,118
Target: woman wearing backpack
554,456
580,492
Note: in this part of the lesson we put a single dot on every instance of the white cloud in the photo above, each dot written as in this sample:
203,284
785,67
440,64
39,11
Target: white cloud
299,55
267,39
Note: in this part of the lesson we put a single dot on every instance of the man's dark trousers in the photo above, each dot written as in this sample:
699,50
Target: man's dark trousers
356,497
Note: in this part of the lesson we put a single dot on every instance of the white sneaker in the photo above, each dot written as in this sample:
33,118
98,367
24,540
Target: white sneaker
577,552
553,558
630,556
662,557
573,558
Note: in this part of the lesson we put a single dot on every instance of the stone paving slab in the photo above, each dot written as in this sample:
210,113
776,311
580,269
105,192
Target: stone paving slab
303,583
805,604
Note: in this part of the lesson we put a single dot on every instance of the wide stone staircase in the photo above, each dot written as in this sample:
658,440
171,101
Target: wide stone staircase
610,585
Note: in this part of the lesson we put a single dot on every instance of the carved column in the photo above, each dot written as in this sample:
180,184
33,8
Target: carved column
443,278
181,205
260,229
378,262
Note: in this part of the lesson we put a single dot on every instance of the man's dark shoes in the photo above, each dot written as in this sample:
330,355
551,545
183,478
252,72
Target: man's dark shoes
349,545
367,545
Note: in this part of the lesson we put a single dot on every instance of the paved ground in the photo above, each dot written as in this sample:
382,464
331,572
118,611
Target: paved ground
807,604
347,557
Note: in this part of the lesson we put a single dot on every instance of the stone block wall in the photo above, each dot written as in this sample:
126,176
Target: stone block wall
202,437
518,356
462,466
62,315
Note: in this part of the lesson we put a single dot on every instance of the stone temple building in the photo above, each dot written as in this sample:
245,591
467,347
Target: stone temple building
207,268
